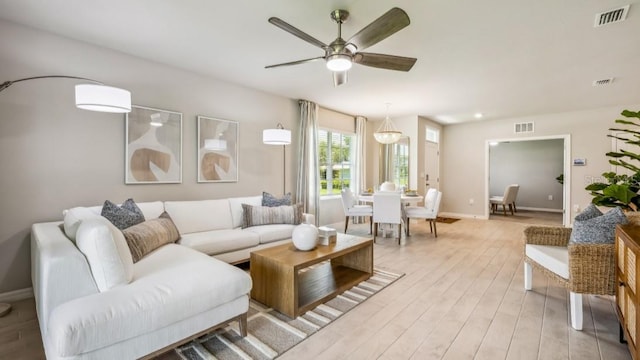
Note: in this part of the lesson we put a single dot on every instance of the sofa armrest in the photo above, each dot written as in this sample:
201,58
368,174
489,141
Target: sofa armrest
59,271
592,268
547,235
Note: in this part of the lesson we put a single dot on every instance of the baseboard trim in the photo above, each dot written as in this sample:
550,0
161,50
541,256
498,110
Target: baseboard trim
463,216
539,209
16,295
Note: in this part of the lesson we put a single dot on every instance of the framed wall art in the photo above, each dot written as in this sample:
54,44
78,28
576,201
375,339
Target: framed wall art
217,150
153,146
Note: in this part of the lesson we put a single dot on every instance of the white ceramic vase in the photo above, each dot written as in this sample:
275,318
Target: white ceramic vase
305,237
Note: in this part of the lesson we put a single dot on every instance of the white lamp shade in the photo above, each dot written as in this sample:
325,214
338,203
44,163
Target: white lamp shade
103,98
215,144
276,136
387,137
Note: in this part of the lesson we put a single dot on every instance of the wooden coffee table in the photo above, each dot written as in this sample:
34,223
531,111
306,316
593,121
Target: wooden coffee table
285,279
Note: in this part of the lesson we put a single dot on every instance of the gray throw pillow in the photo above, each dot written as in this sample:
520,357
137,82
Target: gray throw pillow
122,217
271,201
589,212
265,215
598,230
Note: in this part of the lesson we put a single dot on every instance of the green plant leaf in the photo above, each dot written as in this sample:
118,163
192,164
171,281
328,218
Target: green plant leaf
629,113
619,192
596,187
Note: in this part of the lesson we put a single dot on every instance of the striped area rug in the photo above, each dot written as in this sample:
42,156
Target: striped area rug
271,333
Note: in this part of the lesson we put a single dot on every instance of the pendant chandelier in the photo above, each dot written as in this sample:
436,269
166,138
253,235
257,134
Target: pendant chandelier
387,132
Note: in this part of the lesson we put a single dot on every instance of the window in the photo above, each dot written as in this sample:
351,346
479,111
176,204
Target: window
433,135
335,161
401,162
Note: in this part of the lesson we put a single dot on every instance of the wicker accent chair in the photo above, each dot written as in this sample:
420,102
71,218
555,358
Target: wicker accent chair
582,268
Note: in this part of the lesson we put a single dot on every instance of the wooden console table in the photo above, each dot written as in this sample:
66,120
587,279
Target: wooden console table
627,251
287,280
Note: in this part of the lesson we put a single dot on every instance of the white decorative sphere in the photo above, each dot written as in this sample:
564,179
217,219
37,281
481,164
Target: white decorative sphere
305,237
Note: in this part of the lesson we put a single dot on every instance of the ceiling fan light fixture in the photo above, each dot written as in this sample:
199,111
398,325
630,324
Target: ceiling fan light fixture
339,62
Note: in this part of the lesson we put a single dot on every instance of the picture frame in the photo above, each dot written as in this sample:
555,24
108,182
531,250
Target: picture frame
153,153
217,150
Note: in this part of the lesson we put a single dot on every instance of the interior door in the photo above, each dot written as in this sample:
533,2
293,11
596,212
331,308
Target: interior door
431,166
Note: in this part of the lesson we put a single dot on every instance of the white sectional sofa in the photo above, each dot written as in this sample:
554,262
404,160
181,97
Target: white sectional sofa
174,293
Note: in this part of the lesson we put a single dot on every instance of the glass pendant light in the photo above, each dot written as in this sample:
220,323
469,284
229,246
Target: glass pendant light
387,132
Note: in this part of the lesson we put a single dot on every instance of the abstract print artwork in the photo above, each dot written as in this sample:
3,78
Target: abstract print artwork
153,146
217,150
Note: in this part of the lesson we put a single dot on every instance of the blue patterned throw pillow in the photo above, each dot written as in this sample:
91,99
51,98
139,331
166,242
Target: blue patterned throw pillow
589,212
599,229
122,217
271,201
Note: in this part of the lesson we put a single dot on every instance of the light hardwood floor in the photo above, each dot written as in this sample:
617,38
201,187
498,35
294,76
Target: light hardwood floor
462,298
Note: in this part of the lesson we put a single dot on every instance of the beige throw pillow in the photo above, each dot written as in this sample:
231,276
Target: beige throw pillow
147,236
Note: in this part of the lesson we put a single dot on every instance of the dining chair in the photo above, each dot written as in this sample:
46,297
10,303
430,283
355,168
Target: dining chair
428,212
508,199
387,209
351,209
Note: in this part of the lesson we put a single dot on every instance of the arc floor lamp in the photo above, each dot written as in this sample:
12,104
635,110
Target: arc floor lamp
279,136
95,97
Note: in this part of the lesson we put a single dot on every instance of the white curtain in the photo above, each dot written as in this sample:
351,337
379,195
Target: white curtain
308,181
359,151
359,159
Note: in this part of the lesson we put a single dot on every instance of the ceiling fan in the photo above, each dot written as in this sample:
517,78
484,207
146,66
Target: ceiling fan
340,54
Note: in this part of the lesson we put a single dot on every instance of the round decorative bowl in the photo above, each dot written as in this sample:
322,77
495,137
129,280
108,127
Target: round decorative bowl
305,237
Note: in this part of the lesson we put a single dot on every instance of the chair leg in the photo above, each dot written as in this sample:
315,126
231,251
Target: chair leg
514,207
375,231
370,224
346,224
242,324
504,210
528,276
511,208
435,229
406,226
575,301
399,232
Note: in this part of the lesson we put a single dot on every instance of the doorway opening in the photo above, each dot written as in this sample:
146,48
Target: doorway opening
432,159
539,165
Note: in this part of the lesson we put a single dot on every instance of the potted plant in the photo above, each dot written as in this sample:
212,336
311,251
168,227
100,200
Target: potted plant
621,189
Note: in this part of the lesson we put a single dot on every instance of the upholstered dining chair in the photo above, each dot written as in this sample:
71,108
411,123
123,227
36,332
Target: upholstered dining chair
508,199
387,209
351,209
428,212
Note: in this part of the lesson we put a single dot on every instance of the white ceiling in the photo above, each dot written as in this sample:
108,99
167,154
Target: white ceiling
504,58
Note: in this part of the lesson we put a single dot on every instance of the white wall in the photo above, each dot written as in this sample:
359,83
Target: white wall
54,156
463,154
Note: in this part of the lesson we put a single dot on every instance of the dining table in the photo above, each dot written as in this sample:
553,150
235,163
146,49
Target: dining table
404,198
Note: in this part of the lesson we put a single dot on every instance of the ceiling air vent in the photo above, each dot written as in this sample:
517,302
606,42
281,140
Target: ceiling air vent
611,16
602,82
520,128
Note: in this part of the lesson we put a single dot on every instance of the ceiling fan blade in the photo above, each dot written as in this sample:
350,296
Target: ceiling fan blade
295,62
383,61
297,32
381,28
339,78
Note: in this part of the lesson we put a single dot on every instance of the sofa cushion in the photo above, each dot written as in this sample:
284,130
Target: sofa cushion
236,207
172,284
200,215
271,233
554,258
106,251
271,201
123,216
220,241
264,215
600,229
147,236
